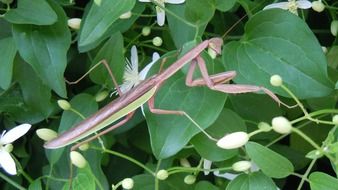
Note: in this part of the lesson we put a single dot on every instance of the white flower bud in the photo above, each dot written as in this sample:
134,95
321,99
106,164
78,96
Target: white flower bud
281,125
84,147
162,174
146,31
264,127
128,183
77,159
64,104
157,41
335,119
233,140
241,166
8,148
46,134
324,49
74,23
334,27
185,163
189,179
276,80
318,6
101,96
126,15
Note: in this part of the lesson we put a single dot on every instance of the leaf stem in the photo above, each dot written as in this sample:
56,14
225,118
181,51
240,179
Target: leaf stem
125,157
306,114
304,177
10,181
310,141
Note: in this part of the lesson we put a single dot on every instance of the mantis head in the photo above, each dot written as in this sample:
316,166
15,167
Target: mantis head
216,45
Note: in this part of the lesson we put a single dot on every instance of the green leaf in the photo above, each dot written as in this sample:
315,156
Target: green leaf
6,29
101,15
205,185
84,179
278,42
272,164
227,122
199,12
170,133
35,185
225,5
36,95
45,49
120,25
253,181
7,52
112,52
336,86
192,22
320,181
180,31
37,12
246,106
332,57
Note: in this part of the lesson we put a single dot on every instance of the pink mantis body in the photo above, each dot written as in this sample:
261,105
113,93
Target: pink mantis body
127,103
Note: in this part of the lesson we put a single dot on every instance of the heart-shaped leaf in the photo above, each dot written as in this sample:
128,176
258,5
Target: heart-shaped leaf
319,181
278,42
8,52
45,49
253,181
272,164
37,12
101,15
170,133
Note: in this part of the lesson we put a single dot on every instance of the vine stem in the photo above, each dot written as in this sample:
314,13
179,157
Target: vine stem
10,181
306,114
304,177
309,140
125,157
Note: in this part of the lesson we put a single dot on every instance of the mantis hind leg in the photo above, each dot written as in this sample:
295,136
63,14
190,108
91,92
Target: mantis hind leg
216,82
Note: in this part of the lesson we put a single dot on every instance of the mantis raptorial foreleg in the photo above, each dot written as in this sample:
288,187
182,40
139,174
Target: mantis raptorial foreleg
216,82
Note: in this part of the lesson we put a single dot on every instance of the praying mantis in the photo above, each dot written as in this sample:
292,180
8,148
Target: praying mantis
125,105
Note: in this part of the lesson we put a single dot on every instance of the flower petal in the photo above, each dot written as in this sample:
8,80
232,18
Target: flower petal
134,59
281,5
207,166
160,14
174,1
144,0
7,162
228,176
146,69
15,133
304,4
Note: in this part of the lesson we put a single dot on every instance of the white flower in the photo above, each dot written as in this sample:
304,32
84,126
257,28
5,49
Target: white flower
160,13
132,77
291,5
6,161
227,175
